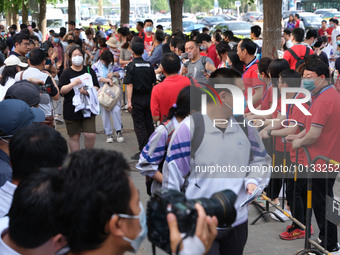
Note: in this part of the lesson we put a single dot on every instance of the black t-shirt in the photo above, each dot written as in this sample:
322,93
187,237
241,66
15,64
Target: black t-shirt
141,75
65,79
337,64
79,42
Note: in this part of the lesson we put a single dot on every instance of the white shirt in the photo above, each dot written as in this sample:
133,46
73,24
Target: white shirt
4,248
3,89
335,33
6,197
329,50
289,44
259,43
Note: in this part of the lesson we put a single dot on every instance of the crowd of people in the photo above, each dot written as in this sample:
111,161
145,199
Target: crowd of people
86,202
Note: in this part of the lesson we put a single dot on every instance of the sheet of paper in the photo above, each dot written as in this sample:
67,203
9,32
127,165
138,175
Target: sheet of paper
86,80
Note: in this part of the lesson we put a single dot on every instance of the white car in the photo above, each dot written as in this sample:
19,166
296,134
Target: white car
189,16
165,22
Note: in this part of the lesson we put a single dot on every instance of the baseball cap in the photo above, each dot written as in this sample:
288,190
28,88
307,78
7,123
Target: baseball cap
16,114
13,60
27,92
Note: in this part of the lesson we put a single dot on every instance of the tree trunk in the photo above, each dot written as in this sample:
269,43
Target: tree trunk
124,12
9,18
176,15
100,7
24,12
16,18
271,28
42,18
71,10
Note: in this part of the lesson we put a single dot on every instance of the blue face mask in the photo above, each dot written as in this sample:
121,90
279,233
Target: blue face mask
338,43
258,76
56,40
3,33
309,84
227,65
203,48
337,52
331,25
136,243
313,44
148,29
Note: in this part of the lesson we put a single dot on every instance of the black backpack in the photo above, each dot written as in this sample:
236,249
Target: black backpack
300,61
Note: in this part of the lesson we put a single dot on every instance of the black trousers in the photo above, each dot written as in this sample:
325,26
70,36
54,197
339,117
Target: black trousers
142,119
319,207
230,241
298,208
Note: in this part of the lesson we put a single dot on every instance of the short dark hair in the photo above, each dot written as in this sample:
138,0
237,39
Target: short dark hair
107,57
18,38
137,48
297,15
291,77
222,47
124,31
14,26
336,21
34,25
34,147
23,26
203,37
148,20
263,65
159,35
99,177
249,45
88,31
298,34
181,45
171,63
317,66
140,23
256,30
174,41
31,216
324,21
159,27
312,33
72,23
205,29
37,56
228,33
287,31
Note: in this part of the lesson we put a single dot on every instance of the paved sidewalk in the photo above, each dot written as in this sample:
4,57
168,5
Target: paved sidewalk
263,237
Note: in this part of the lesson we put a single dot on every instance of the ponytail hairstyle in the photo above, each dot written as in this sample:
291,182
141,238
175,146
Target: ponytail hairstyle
181,108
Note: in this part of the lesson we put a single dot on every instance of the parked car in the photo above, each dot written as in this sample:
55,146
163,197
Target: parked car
100,21
330,15
251,16
286,14
165,22
310,20
189,26
238,27
322,11
190,16
214,20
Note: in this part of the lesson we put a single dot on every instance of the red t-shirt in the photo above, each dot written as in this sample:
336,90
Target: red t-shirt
280,141
325,110
211,53
203,54
321,32
251,80
300,51
295,113
164,95
148,43
267,98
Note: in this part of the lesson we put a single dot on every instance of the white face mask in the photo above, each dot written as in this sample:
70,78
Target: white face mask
77,60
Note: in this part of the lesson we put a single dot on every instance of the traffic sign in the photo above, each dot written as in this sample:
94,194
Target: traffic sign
238,3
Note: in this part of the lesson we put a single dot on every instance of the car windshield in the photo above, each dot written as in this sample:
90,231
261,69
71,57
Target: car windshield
313,19
164,20
56,23
235,26
215,19
188,23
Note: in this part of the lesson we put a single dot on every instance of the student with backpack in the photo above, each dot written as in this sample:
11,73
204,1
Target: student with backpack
237,146
297,53
153,155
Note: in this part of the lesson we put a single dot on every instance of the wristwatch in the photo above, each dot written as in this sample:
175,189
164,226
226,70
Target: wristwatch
269,132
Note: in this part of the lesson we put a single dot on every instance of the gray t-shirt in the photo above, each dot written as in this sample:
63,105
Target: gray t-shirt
196,69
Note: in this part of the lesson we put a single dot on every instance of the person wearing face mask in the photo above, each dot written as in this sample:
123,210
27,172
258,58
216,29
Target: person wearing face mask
118,224
321,137
60,49
206,45
148,25
156,53
105,71
222,144
336,31
75,122
311,37
70,43
222,50
327,47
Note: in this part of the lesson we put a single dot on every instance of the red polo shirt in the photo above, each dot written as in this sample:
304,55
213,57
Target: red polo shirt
164,95
211,53
251,80
325,110
280,141
267,98
300,51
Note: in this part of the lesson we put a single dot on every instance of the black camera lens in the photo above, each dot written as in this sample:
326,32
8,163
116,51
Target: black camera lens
221,204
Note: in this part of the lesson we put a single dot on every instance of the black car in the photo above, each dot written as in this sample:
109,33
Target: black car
241,28
251,16
214,20
100,21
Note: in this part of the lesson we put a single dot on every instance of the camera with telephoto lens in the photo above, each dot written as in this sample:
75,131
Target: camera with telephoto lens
164,201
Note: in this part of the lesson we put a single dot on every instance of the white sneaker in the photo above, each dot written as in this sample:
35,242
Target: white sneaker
109,139
280,214
120,137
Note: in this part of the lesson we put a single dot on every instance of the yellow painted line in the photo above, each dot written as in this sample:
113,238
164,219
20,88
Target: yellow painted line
309,199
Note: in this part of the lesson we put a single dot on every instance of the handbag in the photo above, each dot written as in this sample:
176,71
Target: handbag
108,96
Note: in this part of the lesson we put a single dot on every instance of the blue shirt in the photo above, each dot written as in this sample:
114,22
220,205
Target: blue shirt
156,55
